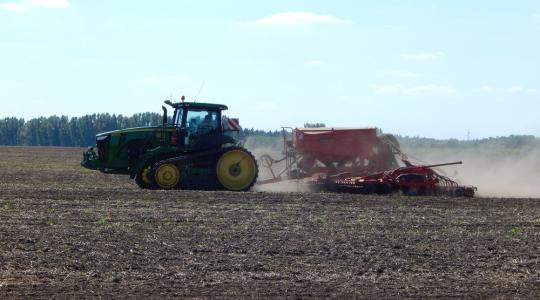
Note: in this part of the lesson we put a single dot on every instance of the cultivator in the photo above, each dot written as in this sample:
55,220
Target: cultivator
356,160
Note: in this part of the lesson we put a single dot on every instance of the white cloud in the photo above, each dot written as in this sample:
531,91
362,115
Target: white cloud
486,89
26,5
423,56
519,89
298,19
398,74
387,88
315,63
515,89
418,90
536,21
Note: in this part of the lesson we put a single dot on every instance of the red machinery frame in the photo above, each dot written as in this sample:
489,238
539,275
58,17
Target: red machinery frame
356,160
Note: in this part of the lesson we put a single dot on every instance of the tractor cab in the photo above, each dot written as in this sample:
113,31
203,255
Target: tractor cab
197,126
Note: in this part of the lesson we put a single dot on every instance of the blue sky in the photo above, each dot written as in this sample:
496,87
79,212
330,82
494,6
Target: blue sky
418,68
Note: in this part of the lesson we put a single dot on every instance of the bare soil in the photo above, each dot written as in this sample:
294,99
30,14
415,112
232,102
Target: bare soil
67,232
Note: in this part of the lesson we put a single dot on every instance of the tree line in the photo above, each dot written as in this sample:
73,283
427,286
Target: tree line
81,131
65,131
78,131
504,142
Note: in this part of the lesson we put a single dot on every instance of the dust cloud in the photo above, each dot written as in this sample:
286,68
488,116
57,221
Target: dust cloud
274,148
495,173
264,173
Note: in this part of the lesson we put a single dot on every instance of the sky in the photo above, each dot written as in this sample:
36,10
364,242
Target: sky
441,69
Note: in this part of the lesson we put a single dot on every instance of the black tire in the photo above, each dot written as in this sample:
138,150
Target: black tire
142,183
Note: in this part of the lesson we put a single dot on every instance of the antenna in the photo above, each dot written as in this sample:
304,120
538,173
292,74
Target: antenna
200,89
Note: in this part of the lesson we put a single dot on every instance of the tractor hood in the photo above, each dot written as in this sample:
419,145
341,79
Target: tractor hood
131,130
115,147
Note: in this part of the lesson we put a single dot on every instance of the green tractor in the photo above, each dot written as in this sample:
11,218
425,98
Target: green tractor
195,150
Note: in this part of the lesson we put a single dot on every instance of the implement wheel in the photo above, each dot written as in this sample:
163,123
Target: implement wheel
167,176
237,169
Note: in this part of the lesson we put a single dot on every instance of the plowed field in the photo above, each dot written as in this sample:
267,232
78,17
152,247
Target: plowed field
69,232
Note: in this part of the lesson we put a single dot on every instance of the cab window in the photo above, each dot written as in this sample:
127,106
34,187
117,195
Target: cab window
201,122
177,121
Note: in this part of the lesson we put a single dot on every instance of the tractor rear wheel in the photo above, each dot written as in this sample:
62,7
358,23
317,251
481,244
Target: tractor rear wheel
236,169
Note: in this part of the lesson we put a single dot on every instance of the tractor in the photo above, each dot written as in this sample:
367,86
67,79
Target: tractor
195,149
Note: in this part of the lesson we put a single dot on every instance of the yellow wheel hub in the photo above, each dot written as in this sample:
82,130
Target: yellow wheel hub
236,170
145,175
167,176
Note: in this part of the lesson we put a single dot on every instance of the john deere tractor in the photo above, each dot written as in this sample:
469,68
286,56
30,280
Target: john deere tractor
192,150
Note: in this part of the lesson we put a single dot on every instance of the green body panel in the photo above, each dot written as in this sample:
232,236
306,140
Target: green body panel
126,147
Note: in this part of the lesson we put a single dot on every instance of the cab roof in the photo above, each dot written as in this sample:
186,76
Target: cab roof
197,105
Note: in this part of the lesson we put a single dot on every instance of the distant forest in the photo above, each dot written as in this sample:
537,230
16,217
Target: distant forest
77,131
81,131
